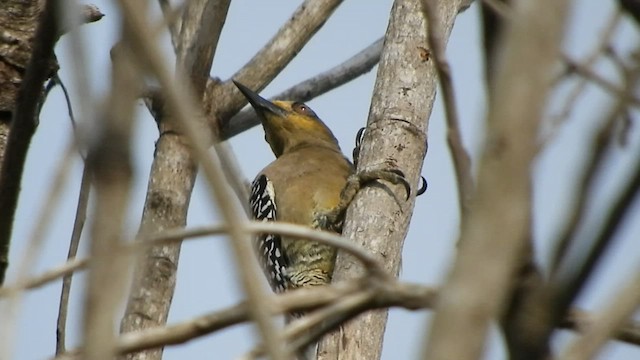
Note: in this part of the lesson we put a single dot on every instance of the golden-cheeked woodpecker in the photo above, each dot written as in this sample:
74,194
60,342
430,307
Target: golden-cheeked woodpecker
310,183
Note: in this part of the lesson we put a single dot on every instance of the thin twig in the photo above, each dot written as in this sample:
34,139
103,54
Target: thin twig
572,276
47,277
33,248
78,225
569,275
587,63
459,155
579,68
251,227
355,66
578,320
615,91
599,146
370,262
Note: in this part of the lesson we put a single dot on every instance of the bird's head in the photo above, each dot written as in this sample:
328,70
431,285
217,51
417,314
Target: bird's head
288,124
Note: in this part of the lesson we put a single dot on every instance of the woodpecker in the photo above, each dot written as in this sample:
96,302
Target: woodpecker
310,183
302,185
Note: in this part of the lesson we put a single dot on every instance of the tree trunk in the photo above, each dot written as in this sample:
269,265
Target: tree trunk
396,134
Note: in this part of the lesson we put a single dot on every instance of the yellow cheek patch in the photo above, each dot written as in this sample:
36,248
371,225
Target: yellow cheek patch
283,104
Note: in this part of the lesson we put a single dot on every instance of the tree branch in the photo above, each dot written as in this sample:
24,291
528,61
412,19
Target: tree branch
185,110
78,225
222,100
24,122
173,173
494,236
396,133
327,302
607,322
357,65
109,163
460,156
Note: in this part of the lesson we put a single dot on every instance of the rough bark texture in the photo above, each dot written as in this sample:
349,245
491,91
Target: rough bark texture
172,178
396,133
168,194
18,20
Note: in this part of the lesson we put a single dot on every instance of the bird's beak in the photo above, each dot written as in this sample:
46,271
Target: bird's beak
259,103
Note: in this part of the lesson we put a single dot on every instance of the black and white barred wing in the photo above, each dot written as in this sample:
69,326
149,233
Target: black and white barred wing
268,246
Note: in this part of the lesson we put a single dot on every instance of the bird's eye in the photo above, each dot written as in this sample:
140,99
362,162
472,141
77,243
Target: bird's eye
303,109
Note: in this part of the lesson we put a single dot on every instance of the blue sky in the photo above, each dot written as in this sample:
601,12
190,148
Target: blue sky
206,279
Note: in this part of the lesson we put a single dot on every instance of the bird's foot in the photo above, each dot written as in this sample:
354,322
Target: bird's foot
334,218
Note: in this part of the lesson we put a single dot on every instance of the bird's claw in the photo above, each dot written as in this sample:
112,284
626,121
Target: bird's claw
392,175
423,186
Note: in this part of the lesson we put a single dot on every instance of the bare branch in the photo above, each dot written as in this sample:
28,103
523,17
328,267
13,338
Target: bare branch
389,293
573,274
580,321
603,83
33,248
24,123
327,307
494,236
600,144
200,31
357,65
586,63
371,263
67,268
184,110
224,100
396,133
109,163
251,227
78,225
299,300
460,156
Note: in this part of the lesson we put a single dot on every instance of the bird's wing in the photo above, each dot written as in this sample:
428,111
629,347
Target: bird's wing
268,246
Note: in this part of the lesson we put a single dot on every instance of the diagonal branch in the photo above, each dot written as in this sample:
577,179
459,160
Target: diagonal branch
78,225
357,65
173,170
184,110
607,322
222,100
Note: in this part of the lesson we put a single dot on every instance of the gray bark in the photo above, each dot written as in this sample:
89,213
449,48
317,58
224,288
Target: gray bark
378,219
